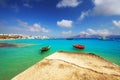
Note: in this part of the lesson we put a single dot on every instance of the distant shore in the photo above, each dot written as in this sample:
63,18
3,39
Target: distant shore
21,36
71,66
7,39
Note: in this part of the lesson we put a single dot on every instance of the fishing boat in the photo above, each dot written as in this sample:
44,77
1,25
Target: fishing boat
46,48
78,46
69,38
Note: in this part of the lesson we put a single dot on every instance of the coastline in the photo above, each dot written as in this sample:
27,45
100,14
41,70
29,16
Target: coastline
73,66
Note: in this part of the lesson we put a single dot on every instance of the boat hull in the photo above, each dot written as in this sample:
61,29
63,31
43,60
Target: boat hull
79,46
45,48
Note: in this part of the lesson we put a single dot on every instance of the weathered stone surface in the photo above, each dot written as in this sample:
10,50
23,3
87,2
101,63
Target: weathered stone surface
71,66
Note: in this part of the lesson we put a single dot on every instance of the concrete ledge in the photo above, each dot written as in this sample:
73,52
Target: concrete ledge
71,66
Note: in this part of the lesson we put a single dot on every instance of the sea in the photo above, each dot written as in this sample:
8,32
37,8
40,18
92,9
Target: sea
14,60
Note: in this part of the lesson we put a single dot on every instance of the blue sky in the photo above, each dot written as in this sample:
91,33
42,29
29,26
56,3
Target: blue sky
60,18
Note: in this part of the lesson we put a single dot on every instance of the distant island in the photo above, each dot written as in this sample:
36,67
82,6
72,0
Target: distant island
21,36
98,36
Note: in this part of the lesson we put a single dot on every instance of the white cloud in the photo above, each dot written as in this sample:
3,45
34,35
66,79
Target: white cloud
27,5
68,3
34,28
106,7
92,31
22,23
37,28
67,32
65,23
101,32
116,23
84,33
83,15
102,7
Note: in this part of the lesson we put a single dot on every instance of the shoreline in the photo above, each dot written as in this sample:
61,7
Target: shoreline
61,66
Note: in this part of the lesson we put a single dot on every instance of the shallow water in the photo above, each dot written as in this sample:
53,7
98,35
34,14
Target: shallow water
14,60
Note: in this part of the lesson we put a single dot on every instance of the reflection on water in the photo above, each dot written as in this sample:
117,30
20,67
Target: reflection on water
7,45
14,45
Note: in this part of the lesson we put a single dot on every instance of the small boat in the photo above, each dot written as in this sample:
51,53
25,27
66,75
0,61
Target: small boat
69,38
46,48
79,46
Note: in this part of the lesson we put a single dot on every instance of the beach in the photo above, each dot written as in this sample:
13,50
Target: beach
71,66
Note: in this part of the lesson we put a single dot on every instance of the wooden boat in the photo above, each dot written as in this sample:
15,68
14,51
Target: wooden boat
46,48
69,38
79,46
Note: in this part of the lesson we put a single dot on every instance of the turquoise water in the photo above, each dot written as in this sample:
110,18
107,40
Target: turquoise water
14,60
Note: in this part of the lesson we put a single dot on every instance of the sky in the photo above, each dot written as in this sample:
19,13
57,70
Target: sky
60,18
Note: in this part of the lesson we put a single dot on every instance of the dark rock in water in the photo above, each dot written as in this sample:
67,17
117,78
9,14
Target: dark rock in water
61,51
7,45
91,53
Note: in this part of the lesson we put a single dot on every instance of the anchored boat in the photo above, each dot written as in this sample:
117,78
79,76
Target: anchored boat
46,48
79,46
